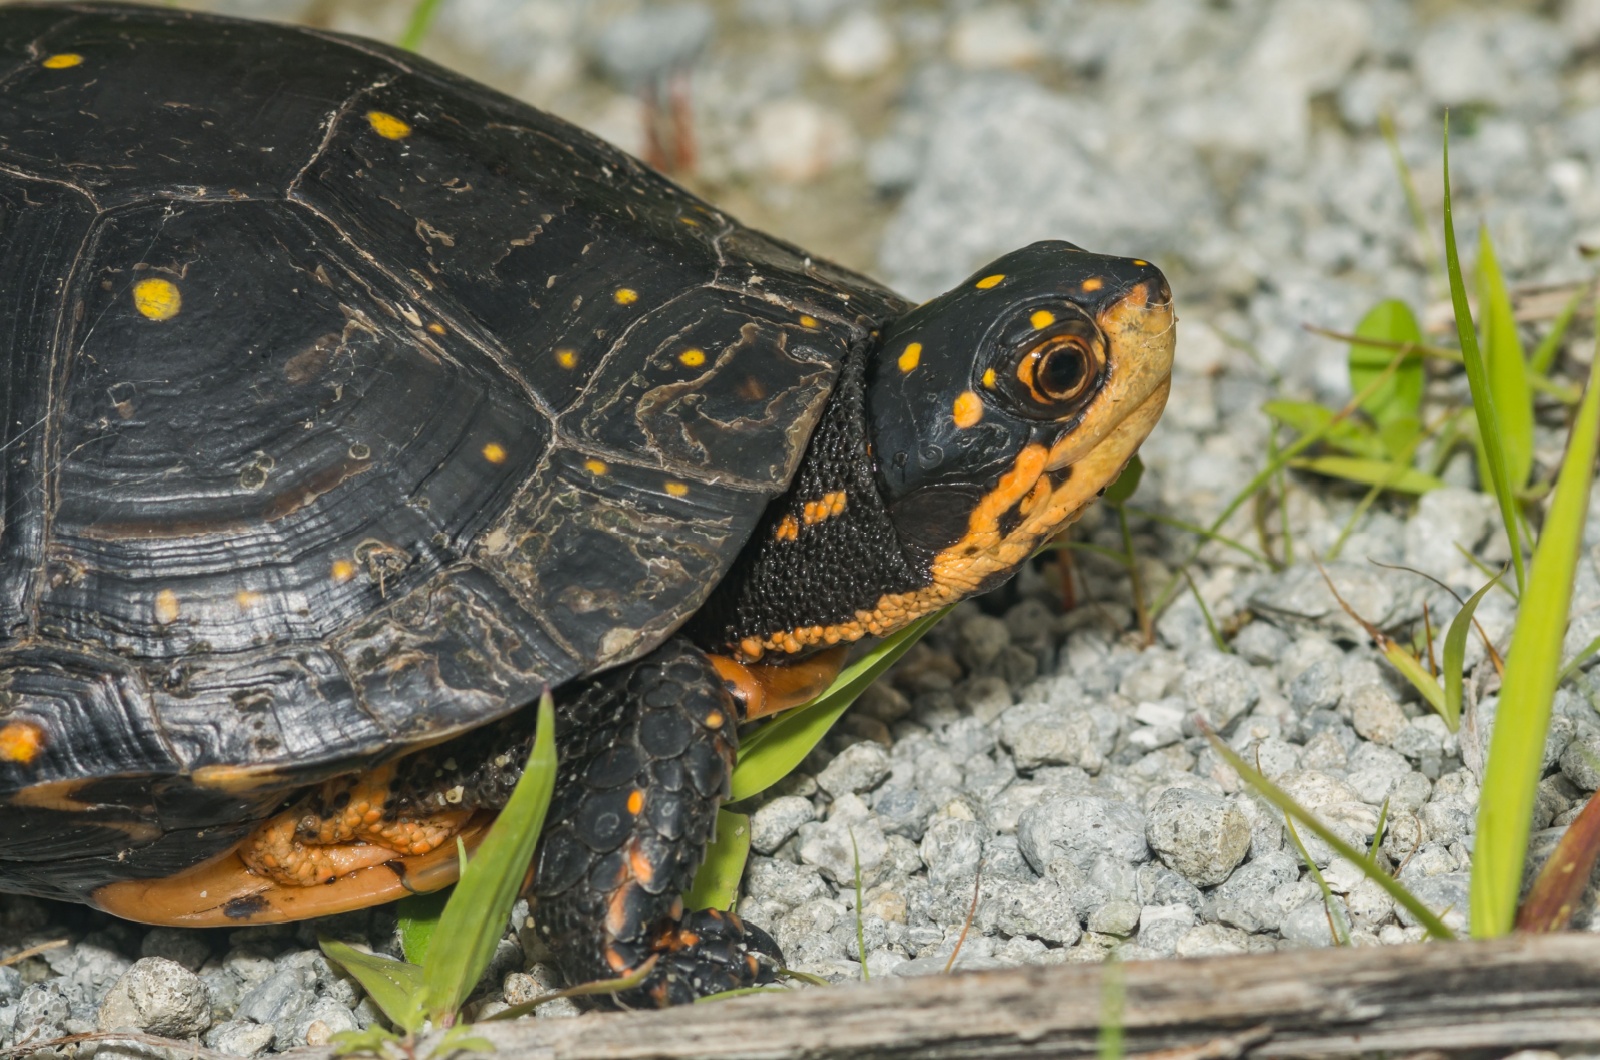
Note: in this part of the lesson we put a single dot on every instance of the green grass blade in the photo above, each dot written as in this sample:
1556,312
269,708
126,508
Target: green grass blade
1419,217
1544,355
474,920
1308,417
1400,395
418,916
1279,798
1377,833
1478,378
1336,925
1113,997
394,986
1579,659
1508,364
417,25
594,988
861,931
716,885
1455,649
1386,473
1516,750
1126,483
772,752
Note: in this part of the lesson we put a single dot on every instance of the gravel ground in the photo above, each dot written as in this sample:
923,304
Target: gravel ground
1235,143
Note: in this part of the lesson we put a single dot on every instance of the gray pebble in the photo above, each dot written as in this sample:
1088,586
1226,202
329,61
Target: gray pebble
1246,901
1375,714
159,996
1311,924
239,1038
188,948
1211,940
1220,686
952,848
1081,829
1161,926
1199,835
1448,894
836,845
773,824
1118,917
1580,762
859,767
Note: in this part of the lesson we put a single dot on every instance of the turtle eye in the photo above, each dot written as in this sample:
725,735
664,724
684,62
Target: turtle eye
1058,369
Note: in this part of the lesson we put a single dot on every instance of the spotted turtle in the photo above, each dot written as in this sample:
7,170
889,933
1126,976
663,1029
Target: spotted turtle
349,404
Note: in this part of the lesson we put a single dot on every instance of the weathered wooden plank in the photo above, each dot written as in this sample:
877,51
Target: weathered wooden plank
1458,999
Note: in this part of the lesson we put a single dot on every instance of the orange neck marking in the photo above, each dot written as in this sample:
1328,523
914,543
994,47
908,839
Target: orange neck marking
767,689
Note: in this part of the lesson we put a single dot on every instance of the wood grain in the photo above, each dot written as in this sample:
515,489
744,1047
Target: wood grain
1451,1000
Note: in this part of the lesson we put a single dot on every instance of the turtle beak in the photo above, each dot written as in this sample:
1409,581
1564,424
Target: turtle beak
1140,330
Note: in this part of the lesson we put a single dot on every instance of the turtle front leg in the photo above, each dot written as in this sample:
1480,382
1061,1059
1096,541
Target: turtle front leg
646,754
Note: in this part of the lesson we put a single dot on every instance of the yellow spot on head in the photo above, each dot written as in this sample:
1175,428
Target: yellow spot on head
677,489
693,358
988,377
387,125
1093,283
1139,262
788,528
909,358
166,607
635,801
990,281
157,299
343,570
20,742
626,296
62,61
596,467
567,358
495,453
715,719
436,327
968,409
690,221
246,599
1042,318
808,322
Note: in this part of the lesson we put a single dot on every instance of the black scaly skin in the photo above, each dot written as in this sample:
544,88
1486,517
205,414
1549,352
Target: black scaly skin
832,568
664,727
640,728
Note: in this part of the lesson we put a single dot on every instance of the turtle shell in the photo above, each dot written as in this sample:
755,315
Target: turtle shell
347,405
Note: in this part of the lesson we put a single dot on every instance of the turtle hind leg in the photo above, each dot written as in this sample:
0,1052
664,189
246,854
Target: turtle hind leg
646,754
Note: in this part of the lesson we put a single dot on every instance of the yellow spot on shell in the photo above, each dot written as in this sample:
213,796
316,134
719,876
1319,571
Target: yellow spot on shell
690,221
20,742
968,409
495,453
988,377
166,607
626,296
677,489
1093,283
436,327
990,281
635,801
808,322
62,61
343,570
567,358
596,467
1140,262
157,299
910,356
693,358
1042,318
387,125
245,599
715,719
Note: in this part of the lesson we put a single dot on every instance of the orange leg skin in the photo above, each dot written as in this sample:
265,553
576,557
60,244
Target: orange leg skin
764,689
301,847
224,892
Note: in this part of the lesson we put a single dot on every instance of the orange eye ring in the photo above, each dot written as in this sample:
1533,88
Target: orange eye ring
1058,369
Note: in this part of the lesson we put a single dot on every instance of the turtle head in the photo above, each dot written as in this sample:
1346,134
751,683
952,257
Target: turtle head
1002,408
